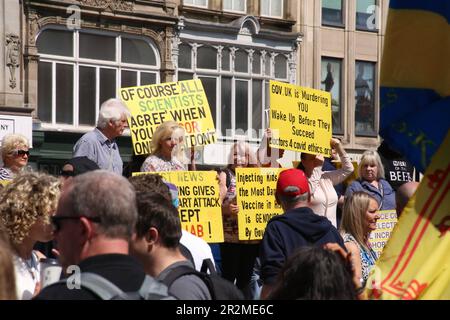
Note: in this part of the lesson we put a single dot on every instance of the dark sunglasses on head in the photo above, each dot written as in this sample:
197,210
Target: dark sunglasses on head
56,220
21,152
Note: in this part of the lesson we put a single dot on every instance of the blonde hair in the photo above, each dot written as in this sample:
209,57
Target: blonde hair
372,158
11,142
27,197
354,216
164,131
7,274
243,148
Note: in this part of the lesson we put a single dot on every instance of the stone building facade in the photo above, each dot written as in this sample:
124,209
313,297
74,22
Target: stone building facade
62,58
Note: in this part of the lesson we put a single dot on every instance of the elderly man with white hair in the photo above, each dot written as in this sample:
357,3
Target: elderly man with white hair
99,145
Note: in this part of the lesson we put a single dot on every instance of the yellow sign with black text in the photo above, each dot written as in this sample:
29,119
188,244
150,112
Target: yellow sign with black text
199,202
255,190
385,225
184,102
300,118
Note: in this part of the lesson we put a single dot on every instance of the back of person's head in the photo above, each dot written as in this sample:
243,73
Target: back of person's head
111,110
371,158
29,196
134,165
152,183
12,142
7,275
292,187
314,273
403,194
354,215
108,196
78,165
155,211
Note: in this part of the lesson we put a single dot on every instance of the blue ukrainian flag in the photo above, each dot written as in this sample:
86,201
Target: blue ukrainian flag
415,78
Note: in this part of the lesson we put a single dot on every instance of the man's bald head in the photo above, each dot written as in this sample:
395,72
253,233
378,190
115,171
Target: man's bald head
403,194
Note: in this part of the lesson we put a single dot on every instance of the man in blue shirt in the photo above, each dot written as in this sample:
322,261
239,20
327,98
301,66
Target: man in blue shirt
100,145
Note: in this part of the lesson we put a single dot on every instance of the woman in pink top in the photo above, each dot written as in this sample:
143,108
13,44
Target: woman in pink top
324,199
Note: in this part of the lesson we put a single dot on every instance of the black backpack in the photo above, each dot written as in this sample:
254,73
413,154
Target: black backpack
106,290
219,288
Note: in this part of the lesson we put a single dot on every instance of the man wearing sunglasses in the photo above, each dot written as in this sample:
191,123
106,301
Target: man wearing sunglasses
15,155
93,224
99,145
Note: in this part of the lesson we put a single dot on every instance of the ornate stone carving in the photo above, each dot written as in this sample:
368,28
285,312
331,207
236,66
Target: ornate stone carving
12,57
33,28
109,4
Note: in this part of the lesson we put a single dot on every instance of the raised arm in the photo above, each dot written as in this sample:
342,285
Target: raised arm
339,175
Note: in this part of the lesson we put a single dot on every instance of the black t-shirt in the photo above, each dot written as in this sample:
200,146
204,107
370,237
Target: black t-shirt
122,270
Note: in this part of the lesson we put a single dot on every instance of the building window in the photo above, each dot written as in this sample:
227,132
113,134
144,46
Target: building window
366,15
74,77
197,3
237,88
365,99
331,82
272,8
332,13
235,5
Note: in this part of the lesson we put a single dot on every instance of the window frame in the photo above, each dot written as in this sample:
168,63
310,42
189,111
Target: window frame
377,17
341,91
235,76
374,101
333,24
232,7
196,5
78,62
270,15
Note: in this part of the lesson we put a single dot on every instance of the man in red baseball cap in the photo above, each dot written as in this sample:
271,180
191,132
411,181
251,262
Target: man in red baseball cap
299,226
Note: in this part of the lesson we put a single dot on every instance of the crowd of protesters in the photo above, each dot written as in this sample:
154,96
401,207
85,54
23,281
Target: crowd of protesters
127,232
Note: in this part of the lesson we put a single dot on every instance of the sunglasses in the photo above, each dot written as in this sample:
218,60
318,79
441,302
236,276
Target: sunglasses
56,220
21,153
67,173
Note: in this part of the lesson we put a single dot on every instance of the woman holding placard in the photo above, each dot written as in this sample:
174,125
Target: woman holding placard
324,199
168,150
358,221
238,257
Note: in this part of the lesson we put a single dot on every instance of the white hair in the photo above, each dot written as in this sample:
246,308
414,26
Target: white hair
112,109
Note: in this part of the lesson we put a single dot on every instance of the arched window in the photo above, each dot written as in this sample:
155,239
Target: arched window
78,70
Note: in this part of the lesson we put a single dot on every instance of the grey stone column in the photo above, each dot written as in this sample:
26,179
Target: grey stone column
11,57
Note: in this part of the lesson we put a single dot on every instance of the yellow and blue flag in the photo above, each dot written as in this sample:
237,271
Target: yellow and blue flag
415,78
415,263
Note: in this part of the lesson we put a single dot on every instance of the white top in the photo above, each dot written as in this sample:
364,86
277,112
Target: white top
198,247
27,274
323,196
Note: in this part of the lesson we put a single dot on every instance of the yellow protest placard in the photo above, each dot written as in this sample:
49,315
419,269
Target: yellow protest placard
385,225
415,264
199,203
255,189
184,102
300,118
